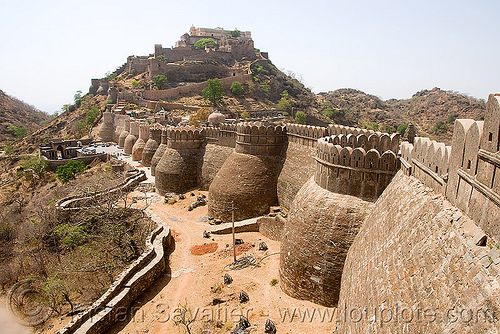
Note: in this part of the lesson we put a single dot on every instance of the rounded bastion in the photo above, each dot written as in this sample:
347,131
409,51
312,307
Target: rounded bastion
131,138
151,145
320,229
159,151
106,130
249,176
124,134
139,145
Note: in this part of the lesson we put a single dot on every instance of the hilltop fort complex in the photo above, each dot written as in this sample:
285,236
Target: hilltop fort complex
400,234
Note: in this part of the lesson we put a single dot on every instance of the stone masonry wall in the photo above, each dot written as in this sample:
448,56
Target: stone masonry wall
419,265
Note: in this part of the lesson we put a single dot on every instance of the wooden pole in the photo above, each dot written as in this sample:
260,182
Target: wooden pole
234,237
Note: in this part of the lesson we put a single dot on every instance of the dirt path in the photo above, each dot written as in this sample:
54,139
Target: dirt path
196,280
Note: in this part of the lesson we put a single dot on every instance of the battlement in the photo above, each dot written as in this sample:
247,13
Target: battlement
465,171
155,132
134,128
257,139
185,138
352,170
144,131
305,134
223,135
379,141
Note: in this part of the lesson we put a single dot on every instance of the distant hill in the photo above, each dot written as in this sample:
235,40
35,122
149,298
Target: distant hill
432,111
16,114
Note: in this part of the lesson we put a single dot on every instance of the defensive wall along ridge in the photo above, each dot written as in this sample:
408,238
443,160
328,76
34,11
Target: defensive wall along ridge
336,181
427,257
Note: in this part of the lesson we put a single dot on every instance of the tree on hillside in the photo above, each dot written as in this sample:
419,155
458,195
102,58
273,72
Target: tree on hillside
235,33
70,170
159,81
18,131
213,92
237,88
204,41
285,103
300,117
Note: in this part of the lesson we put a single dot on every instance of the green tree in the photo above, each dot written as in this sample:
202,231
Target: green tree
8,149
204,41
32,166
372,126
451,117
80,127
237,88
402,128
213,92
386,128
162,58
328,112
235,33
159,81
91,115
300,117
133,71
78,97
135,84
285,103
18,131
70,170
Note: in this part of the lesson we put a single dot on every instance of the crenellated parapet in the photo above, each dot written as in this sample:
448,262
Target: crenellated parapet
185,138
465,171
427,160
256,139
379,141
353,170
305,134
337,129
222,135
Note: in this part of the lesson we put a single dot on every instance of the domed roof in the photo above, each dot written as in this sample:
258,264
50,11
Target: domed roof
216,118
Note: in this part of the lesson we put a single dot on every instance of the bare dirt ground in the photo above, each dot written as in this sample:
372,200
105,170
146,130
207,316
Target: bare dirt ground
196,280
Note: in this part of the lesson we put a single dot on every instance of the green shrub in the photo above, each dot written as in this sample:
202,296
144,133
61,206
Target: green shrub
402,129
18,131
451,117
204,41
300,117
162,58
372,126
133,71
71,236
135,84
245,114
328,112
91,115
274,281
236,88
32,166
285,103
386,128
235,33
265,87
440,127
70,170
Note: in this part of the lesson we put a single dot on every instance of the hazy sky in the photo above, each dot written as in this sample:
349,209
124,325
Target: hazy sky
392,49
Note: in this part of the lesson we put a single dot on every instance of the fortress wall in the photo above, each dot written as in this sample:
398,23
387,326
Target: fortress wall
223,135
249,176
187,72
320,228
354,172
416,258
193,88
138,63
298,167
179,169
465,171
213,158
305,135
152,144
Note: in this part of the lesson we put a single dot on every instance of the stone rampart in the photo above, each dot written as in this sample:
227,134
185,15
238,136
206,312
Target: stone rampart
195,88
139,145
352,170
466,171
124,134
152,144
256,139
159,151
306,135
107,129
179,168
223,135
132,137
419,265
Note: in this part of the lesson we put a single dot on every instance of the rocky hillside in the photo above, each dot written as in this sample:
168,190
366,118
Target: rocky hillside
18,118
432,111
